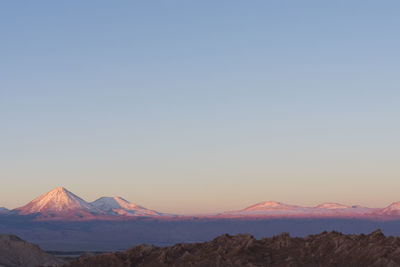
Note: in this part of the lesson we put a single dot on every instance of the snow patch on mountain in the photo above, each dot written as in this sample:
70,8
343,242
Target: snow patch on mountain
270,206
120,206
331,206
392,209
274,209
58,201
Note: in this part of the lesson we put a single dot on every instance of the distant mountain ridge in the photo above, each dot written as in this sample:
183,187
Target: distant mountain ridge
4,210
61,204
327,209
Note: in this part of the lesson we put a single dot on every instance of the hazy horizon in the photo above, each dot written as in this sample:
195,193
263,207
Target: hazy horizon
190,212
194,107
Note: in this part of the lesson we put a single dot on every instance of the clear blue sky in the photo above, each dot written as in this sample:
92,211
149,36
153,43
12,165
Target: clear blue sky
196,106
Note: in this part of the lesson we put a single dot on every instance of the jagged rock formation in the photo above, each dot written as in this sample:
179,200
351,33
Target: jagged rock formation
325,249
16,252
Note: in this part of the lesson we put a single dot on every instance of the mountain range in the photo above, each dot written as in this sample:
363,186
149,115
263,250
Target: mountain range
62,205
277,209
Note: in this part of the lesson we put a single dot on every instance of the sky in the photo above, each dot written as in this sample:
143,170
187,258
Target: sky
201,106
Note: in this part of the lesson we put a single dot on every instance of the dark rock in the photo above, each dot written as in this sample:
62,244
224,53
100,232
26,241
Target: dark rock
325,249
16,252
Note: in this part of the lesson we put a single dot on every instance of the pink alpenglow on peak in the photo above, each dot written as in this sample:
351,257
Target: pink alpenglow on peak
332,206
340,210
59,203
271,206
392,209
275,209
118,205
268,208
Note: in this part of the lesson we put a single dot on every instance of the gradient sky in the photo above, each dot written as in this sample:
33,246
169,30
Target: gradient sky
201,106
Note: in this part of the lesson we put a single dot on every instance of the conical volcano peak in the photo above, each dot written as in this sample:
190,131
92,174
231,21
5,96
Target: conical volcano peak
60,189
58,194
56,201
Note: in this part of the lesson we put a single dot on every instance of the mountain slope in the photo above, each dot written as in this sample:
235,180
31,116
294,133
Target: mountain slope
120,206
60,203
332,206
340,210
271,206
268,208
4,210
16,252
393,209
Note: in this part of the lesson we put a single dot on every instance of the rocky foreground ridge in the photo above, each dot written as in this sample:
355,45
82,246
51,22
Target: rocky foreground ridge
325,249
17,252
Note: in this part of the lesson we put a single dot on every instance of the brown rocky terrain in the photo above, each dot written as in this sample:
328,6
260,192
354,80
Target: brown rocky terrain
16,252
325,249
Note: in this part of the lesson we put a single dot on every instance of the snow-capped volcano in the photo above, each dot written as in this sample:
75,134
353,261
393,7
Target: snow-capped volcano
120,206
59,202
